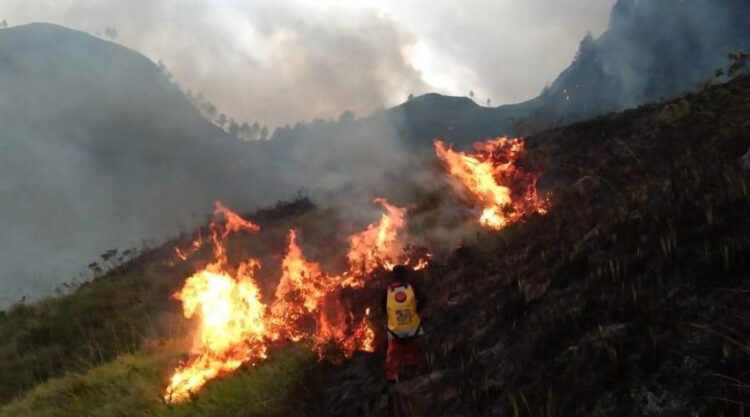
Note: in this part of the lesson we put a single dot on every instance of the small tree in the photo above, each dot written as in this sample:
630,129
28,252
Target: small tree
234,128
346,117
95,269
254,131
209,109
111,33
737,61
108,257
245,131
586,47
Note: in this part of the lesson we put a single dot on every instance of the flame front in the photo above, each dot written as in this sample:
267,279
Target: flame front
505,191
381,244
231,327
300,292
235,327
231,331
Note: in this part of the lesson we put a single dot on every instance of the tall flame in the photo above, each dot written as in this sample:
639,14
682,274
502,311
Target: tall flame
231,331
231,328
235,327
381,244
300,292
308,306
505,191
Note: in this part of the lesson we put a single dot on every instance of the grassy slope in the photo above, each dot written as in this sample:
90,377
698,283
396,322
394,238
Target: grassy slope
124,310
624,300
130,385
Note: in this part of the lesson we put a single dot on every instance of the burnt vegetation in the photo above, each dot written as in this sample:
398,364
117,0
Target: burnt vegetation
629,297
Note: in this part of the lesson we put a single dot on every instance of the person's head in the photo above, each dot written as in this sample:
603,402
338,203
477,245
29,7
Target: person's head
400,273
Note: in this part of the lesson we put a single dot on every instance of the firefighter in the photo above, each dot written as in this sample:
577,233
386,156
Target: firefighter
403,303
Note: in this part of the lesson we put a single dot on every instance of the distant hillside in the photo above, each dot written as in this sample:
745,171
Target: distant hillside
99,150
652,50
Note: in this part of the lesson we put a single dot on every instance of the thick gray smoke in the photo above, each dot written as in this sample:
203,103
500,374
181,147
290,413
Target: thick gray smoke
266,61
282,61
685,42
652,50
99,151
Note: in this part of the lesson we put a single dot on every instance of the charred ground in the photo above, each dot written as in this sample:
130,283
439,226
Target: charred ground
628,298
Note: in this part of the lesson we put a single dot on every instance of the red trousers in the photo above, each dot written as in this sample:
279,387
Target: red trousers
401,352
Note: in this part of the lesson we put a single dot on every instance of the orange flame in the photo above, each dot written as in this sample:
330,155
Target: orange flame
300,291
231,331
235,327
231,327
183,254
307,305
364,334
234,223
490,173
350,335
381,244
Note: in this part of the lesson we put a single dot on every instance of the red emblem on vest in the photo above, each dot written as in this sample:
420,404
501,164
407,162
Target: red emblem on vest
400,296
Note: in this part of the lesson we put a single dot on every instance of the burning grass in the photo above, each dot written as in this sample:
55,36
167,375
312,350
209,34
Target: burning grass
490,173
234,326
608,300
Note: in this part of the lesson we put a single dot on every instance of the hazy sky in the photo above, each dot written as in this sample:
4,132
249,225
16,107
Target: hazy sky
277,62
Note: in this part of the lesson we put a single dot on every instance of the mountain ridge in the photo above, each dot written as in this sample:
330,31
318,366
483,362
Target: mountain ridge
124,152
99,149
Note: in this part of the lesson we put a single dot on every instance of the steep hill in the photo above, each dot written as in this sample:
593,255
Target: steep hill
629,297
651,50
99,150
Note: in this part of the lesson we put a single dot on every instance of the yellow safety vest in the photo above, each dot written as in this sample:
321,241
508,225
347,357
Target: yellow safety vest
401,304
